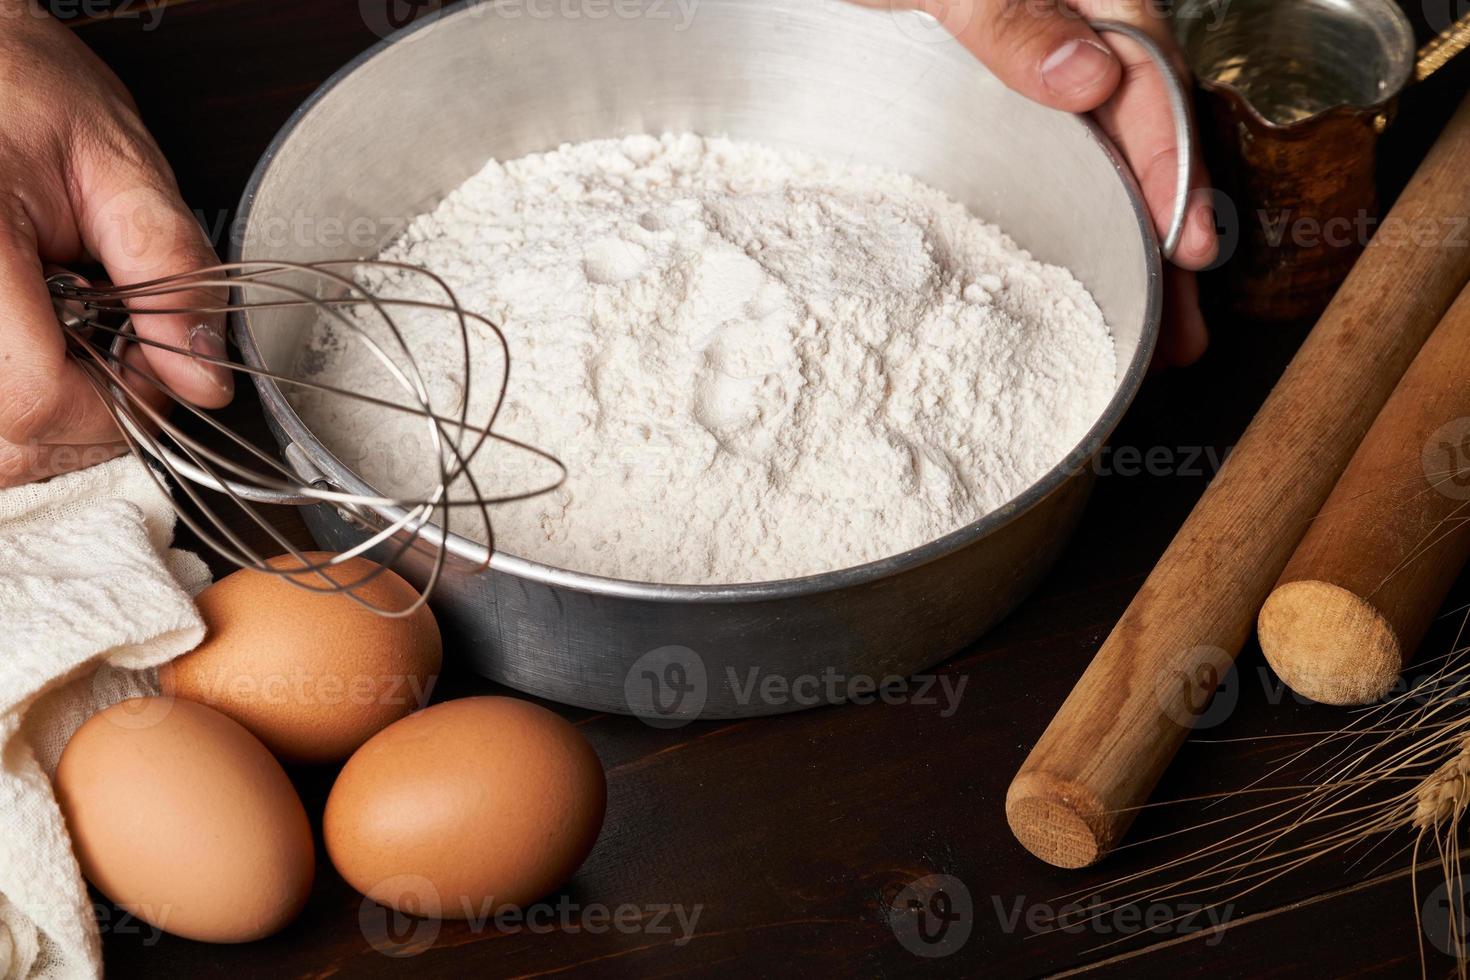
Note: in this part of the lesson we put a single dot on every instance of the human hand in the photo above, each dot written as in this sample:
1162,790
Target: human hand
1045,50
81,180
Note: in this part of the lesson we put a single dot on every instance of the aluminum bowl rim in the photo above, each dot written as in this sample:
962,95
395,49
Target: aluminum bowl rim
280,411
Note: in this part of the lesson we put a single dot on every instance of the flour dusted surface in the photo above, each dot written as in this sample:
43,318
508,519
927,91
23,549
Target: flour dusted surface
756,364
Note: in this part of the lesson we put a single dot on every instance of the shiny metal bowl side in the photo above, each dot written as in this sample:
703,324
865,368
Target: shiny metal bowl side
409,120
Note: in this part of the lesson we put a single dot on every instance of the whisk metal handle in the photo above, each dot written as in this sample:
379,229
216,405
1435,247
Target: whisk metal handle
1183,133
183,469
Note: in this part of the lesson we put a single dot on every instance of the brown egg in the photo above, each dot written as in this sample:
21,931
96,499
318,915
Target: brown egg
312,675
465,808
181,817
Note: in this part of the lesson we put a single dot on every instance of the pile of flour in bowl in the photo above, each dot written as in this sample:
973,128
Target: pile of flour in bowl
756,364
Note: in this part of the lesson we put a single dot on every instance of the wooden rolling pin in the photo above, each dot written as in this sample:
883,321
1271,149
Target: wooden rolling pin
1104,751
1359,593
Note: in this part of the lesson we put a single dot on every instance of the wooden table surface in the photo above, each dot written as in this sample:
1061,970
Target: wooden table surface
783,841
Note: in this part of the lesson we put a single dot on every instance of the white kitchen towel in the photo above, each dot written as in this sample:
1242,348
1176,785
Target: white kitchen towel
92,600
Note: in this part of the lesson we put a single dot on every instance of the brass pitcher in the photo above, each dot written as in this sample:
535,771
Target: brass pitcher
1294,96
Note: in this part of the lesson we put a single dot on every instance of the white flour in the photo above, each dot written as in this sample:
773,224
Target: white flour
755,364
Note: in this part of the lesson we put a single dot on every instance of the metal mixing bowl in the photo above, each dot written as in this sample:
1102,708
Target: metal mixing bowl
394,131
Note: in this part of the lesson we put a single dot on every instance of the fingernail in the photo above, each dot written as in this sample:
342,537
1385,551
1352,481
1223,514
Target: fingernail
209,342
1075,66
1207,219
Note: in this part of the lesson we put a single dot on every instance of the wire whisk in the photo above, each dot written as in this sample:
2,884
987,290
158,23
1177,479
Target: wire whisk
97,322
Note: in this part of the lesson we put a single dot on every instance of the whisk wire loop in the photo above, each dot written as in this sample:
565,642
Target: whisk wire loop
239,485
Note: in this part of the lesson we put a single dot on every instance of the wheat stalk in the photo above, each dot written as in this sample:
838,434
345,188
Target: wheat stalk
1443,795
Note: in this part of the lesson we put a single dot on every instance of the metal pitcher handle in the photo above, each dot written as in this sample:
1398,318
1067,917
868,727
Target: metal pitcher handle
1179,109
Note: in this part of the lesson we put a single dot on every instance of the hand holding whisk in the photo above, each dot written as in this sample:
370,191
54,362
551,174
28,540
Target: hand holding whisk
96,322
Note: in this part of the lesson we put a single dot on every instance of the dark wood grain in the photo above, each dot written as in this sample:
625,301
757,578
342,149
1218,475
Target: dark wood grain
790,835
